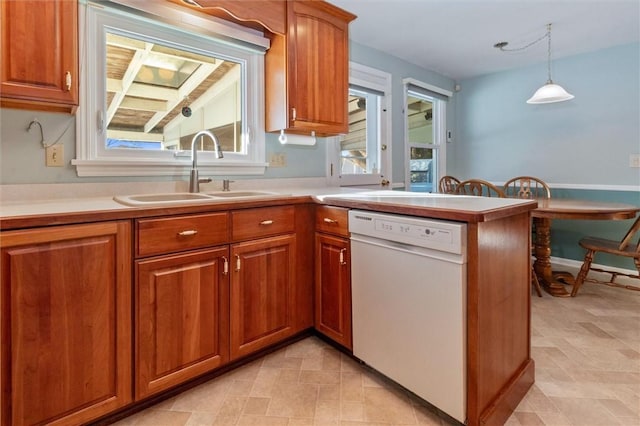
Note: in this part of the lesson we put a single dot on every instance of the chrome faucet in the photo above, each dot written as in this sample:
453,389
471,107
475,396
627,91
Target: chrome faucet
194,180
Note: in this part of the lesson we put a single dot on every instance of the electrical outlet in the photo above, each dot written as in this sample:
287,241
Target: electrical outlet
634,160
55,156
278,159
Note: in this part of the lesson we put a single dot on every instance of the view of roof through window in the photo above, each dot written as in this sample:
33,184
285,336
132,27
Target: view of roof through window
159,96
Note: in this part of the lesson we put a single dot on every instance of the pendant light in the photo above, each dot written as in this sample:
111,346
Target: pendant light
550,92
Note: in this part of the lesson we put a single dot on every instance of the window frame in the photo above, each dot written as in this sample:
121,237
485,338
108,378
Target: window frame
365,77
439,98
93,159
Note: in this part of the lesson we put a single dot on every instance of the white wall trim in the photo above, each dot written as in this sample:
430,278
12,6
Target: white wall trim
375,79
571,263
594,187
427,86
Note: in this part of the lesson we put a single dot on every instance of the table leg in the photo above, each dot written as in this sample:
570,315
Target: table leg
551,281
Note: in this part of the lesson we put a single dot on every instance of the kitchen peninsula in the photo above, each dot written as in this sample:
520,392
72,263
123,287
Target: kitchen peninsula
138,247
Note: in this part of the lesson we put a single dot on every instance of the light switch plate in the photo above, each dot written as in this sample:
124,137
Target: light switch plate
54,156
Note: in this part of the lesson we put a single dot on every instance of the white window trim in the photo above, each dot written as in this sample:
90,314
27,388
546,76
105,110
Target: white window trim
439,143
91,161
368,78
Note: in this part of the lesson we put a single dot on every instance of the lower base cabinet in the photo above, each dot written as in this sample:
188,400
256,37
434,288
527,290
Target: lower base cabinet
333,289
262,293
182,311
66,323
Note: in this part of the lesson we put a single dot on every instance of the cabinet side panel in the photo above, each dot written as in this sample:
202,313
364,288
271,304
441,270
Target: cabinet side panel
498,311
304,267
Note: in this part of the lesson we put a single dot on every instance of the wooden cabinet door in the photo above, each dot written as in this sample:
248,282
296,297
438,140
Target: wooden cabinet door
307,71
262,293
39,54
182,318
333,289
66,323
318,68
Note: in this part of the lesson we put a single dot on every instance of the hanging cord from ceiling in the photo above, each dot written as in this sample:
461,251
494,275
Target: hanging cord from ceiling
503,44
35,122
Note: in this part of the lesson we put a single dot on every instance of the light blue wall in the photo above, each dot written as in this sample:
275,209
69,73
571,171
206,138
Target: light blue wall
22,156
585,141
400,69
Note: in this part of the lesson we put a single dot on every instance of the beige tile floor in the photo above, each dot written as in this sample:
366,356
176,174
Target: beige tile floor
586,349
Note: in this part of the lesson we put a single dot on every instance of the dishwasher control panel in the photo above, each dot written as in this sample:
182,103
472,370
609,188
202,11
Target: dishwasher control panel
429,233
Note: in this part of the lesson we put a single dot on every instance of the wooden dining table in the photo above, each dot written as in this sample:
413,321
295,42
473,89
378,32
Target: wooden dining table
555,282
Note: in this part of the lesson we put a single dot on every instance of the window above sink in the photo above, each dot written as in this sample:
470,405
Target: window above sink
149,83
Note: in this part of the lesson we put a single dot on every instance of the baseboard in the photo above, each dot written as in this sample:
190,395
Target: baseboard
578,263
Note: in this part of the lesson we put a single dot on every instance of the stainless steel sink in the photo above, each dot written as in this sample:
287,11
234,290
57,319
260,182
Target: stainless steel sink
181,198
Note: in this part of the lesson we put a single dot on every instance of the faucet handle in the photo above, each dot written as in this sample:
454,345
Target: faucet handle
225,184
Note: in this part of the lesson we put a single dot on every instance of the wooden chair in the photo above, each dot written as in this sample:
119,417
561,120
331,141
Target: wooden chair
448,184
624,248
526,187
479,188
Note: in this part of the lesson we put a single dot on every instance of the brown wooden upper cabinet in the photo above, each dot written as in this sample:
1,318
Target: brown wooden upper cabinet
307,65
39,41
307,71
257,14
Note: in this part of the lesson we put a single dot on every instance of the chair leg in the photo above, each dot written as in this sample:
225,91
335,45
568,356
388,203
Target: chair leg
535,282
584,270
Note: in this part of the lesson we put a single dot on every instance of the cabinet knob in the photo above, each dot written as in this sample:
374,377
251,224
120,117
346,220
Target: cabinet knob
67,78
187,233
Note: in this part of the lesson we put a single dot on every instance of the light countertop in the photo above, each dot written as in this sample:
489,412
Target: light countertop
17,214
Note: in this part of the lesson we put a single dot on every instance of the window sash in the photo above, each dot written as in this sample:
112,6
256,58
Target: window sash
92,157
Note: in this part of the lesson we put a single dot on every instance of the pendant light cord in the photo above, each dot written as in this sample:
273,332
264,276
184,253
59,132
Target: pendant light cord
549,53
503,47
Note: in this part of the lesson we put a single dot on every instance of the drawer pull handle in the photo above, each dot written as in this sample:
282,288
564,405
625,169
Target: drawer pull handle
188,233
237,263
225,267
266,222
342,251
327,220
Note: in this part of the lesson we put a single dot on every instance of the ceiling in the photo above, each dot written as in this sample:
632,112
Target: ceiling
456,37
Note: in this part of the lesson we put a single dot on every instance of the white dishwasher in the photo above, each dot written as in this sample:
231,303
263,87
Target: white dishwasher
408,278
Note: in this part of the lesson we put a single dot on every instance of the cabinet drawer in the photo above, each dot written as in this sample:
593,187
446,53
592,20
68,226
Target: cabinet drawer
179,233
332,220
255,223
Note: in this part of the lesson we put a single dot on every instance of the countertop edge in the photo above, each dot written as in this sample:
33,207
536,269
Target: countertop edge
130,213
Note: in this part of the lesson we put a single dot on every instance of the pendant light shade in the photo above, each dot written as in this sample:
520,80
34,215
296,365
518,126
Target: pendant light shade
550,92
